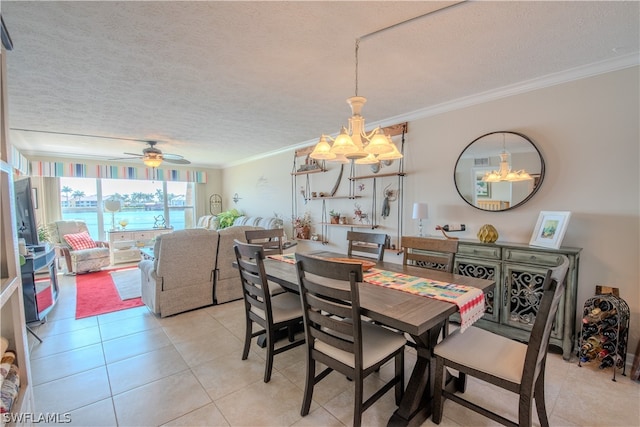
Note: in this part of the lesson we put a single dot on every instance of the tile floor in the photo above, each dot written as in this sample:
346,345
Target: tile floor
130,368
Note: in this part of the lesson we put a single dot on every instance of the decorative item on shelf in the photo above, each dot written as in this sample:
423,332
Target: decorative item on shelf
343,220
159,222
123,223
358,215
302,226
335,217
420,212
236,198
487,234
390,195
354,143
550,229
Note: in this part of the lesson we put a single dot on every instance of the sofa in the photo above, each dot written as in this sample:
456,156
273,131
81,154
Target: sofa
193,268
181,275
210,222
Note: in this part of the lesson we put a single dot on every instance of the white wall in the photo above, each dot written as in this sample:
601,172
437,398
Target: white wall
588,134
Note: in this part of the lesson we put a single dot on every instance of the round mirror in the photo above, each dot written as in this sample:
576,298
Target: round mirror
499,171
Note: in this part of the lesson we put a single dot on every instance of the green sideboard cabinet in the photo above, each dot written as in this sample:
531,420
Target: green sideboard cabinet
519,272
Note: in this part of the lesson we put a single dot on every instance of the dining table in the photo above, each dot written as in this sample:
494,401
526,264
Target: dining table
423,318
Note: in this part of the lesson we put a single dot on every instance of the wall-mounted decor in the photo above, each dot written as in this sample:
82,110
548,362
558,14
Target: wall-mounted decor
550,229
499,171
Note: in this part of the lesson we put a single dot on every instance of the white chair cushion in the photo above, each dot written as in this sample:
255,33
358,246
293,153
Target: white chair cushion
486,352
285,306
377,343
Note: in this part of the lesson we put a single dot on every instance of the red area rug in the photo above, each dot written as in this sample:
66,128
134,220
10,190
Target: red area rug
96,294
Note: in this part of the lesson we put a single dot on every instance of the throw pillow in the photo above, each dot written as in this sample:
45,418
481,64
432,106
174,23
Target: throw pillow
79,241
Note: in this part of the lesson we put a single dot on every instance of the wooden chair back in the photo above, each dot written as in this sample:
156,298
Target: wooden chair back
335,331
365,245
427,252
257,299
271,240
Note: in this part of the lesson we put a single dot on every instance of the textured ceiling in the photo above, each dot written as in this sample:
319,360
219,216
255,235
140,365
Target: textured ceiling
222,82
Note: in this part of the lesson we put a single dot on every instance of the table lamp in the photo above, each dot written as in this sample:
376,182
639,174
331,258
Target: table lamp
420,212
113,206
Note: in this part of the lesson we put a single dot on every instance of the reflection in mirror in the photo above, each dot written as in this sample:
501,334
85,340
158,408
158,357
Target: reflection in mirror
499,171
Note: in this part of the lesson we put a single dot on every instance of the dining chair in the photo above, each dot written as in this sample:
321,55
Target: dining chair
338,337
271,240
500,361
427,252
366,245
272,312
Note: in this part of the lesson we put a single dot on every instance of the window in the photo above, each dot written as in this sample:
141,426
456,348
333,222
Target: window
145,204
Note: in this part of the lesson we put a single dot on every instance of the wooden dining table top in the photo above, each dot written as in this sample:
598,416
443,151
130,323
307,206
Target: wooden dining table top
410,313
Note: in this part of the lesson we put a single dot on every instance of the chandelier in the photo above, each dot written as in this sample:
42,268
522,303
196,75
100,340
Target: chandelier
505,174
353,143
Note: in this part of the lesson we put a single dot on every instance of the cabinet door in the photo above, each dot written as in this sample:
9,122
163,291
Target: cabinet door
483,269
522,295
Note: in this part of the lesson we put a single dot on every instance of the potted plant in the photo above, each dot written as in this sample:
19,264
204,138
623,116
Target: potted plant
335,216
302,226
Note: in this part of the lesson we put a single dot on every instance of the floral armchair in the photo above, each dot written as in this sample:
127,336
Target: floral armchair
81,254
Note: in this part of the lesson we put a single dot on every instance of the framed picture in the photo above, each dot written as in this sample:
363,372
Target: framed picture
550,229
483,188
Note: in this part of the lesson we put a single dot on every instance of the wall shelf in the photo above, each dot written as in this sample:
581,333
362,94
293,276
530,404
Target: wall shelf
379,175
371,226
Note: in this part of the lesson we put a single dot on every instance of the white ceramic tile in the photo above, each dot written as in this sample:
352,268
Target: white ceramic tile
71,362
134,344
160,401
127,326
208,415
66,342
72,392
144,368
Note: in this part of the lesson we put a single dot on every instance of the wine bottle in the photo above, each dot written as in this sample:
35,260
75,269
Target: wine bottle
454,227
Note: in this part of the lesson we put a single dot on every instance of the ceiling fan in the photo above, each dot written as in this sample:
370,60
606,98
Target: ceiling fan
153,157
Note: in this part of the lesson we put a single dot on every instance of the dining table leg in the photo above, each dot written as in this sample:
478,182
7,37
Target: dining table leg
415,406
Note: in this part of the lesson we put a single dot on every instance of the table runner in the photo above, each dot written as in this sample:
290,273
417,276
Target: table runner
470,300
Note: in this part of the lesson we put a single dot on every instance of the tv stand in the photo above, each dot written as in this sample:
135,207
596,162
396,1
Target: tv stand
37,307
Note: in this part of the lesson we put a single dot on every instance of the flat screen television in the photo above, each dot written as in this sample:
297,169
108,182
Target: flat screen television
25,212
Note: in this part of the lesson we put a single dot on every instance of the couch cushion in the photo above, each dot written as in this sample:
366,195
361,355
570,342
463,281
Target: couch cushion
79,241
89,254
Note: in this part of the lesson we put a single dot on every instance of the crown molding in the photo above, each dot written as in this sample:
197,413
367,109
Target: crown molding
573,74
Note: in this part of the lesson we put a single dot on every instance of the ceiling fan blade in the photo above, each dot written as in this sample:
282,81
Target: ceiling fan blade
125,158
80,134
177,161
172,156
134,154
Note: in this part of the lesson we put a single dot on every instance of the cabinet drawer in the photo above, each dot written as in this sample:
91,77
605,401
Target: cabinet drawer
491,252
115,237
144,235
531,257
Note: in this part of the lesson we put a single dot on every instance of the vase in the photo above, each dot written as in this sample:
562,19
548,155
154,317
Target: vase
335,220
303,233
488,234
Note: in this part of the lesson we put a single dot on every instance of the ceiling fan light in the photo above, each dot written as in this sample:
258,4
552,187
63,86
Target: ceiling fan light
322,150
152,161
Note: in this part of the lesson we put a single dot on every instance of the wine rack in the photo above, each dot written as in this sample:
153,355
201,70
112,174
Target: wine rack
605,332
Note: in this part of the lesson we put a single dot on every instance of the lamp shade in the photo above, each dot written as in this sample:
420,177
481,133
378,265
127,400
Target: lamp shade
113,205
420,210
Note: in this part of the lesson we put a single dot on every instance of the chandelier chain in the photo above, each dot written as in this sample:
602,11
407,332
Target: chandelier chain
356,53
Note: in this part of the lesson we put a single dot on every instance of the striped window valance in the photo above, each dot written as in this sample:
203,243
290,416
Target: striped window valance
81,170
19,162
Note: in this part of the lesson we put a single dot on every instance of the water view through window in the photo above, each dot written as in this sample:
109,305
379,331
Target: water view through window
144,204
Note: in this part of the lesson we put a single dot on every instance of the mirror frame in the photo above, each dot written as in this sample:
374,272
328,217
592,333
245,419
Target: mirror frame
536,188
